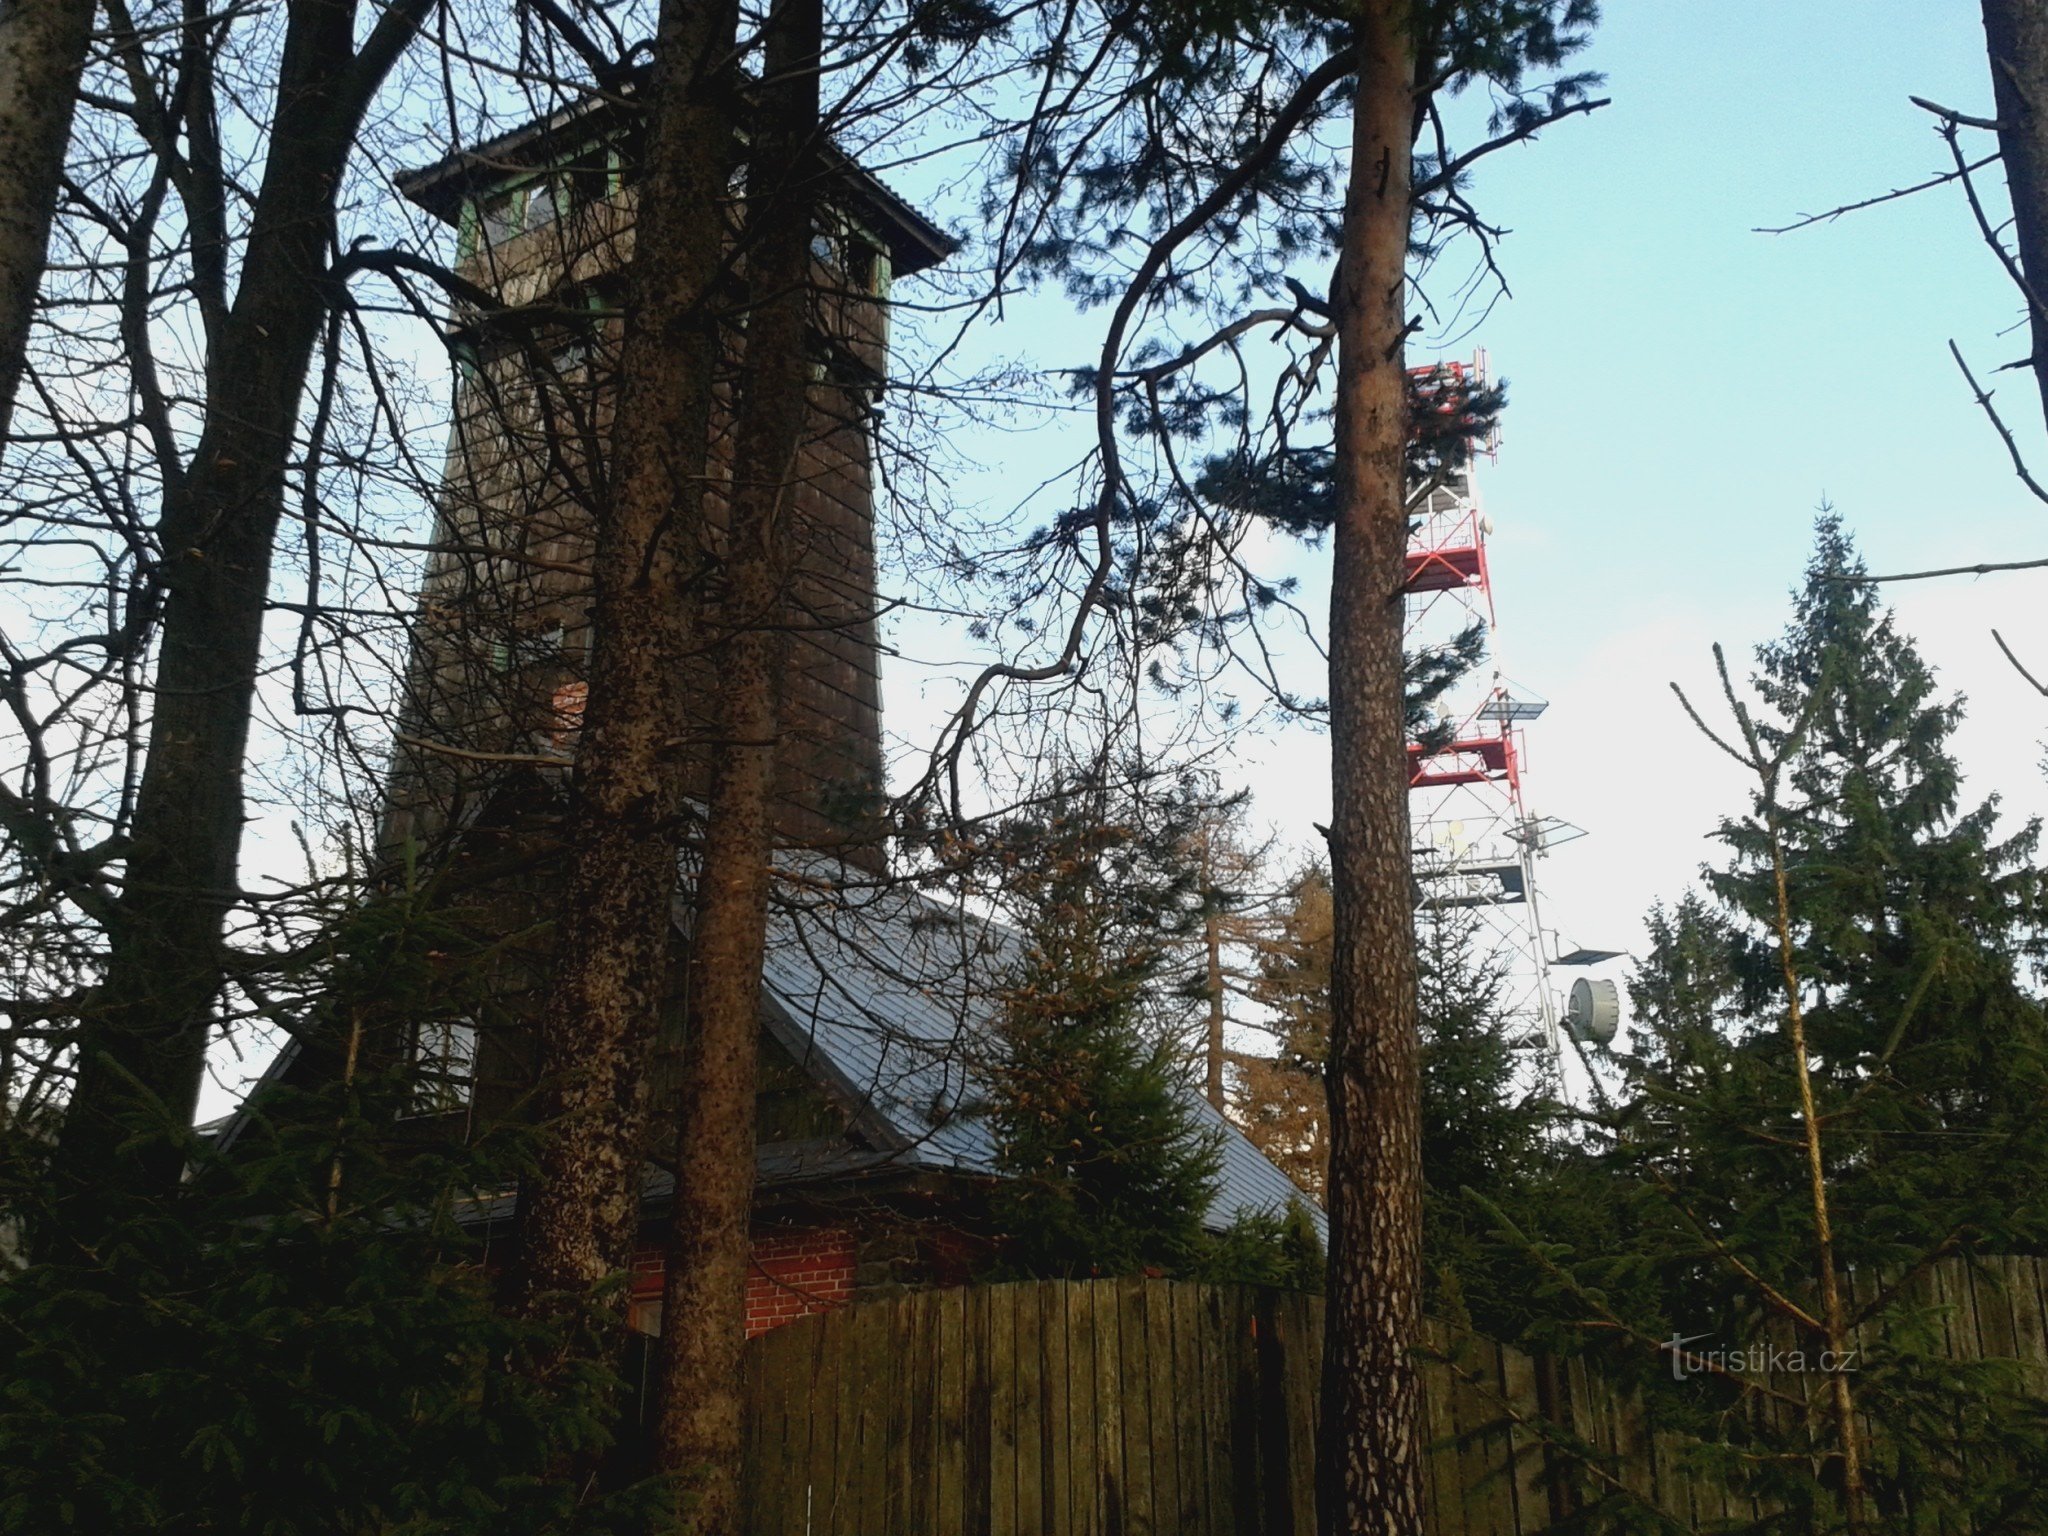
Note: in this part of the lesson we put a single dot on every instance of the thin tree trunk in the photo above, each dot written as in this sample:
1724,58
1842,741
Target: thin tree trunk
144,1041
1212,924
612,938
2016,36
1834,1316
43,45
698,1431
1369,1469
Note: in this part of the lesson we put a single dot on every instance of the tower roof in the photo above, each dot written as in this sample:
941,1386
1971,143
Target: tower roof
914,242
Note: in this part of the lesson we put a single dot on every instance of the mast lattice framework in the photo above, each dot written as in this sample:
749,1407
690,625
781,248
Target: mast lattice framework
1476,843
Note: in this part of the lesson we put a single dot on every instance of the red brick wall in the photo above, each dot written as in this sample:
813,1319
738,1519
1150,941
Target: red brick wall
795,1272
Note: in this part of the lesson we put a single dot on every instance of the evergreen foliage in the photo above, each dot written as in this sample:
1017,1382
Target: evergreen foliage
1913,931
1110,1171
1110,1167
304,1337
1490,1122
1111,1162
1488,1135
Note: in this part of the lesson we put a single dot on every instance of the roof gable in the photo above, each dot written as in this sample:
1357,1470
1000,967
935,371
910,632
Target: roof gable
890,998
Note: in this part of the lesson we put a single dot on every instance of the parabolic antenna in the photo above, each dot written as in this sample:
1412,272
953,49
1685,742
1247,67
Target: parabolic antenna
1593,1013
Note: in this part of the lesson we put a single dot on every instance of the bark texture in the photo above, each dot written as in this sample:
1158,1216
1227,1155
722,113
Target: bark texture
612,938
43,45
2016,36
698,1432
144,1042
1212,1033
1369,1465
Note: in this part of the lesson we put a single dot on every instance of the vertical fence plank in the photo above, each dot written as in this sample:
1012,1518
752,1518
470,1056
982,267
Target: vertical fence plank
1482,1458
1304,1382
1032,1469
950,1454
1002,1410
904,1315
1269,1349
1162,1406
921,1413
1216,1422
1083,1476
1446,1476
778,1463
1242,1363
1133,1384
825,1508
1056,1411
1191,1509
1602,1430
1527,1483
1554,1399
757,1434
2029,1325
975,1415
877,1389
1990,1290
1109,1419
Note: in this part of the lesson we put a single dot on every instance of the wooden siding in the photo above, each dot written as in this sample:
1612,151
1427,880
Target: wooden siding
503,628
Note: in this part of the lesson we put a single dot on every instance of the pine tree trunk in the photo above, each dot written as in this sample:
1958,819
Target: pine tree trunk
1213,1054
43,46
612,939
144,1041
1369,1470
697,1434
2016,35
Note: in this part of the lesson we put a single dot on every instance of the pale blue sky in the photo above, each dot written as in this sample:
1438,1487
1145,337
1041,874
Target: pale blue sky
1685,391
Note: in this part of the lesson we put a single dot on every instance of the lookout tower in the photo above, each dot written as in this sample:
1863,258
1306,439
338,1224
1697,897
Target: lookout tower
496,681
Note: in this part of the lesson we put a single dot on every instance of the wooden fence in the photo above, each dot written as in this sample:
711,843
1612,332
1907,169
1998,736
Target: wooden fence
1135,1407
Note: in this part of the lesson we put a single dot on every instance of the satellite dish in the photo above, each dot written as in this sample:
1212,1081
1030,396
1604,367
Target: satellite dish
1593,1013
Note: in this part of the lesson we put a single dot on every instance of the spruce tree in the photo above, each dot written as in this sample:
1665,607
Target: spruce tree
1915,923
1488,1122
1110,1170
1886,985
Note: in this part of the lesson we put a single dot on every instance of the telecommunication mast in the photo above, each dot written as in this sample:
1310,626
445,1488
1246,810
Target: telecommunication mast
1476,842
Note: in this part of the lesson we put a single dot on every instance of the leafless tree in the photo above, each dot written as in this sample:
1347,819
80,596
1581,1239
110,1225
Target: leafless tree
43,47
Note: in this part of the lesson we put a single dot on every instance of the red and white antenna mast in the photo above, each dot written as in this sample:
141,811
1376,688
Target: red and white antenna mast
1476,842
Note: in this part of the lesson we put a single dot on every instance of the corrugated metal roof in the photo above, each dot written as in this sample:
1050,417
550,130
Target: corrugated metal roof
888,996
